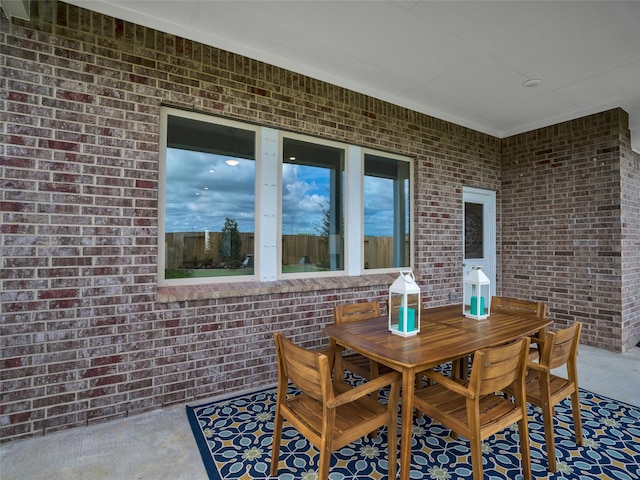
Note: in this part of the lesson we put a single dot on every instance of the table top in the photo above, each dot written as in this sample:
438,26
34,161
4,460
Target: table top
445,334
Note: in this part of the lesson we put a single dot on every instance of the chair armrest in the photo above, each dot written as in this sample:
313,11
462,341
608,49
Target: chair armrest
332,353
450,384
365,389
537,366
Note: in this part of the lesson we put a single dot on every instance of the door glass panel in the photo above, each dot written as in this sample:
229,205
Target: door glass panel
473,230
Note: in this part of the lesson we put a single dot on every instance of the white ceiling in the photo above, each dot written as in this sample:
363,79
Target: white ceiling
461,61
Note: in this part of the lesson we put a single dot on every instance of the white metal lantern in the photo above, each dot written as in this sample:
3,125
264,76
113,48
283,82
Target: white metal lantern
477,295
404,305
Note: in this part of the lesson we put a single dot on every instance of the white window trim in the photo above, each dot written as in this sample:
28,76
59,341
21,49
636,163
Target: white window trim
268,180
354,214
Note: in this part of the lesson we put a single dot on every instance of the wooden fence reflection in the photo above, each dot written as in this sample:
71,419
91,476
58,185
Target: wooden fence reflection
188,250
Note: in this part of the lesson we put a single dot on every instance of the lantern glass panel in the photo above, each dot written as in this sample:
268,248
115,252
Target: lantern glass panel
404,313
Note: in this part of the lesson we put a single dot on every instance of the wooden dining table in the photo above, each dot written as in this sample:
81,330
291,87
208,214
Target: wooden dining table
445,335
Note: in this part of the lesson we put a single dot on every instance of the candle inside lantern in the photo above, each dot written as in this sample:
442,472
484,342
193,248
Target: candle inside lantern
474,306
409,326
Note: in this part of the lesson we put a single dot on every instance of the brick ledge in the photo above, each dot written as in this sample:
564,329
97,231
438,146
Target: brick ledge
207,291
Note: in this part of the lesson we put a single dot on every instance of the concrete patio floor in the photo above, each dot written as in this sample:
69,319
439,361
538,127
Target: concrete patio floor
158,445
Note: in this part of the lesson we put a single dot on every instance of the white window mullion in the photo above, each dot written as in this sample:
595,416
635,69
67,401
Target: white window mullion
354,211
267,206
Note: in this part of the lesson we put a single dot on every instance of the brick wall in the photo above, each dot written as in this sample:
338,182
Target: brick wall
561,191
86,333
630,226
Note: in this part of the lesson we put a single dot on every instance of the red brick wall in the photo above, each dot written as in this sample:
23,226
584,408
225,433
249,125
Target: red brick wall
86,333
561,221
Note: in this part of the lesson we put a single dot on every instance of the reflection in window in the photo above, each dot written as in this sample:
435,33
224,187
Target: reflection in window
209,221
312,207
386,212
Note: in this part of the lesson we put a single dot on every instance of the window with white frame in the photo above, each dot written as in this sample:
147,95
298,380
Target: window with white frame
387,240
227,215
312,206
209,198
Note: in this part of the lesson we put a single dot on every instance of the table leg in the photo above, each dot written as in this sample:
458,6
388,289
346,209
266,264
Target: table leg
406,432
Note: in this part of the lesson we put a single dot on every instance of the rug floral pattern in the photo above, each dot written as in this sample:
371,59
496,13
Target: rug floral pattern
235,436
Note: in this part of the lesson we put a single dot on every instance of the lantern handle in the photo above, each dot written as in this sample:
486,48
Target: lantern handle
407,276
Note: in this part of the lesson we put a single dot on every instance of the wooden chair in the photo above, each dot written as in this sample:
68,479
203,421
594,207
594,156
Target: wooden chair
546,390
460,367
473,409
355,362
330,414
539,309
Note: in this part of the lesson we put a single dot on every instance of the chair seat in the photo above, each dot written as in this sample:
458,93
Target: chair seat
559,388
438,402
363,415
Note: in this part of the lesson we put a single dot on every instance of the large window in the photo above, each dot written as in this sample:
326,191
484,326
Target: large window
240,201
209,198
387,241
312,207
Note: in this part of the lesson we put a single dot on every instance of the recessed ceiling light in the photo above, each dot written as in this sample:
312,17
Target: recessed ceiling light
292,158
532,82
231,162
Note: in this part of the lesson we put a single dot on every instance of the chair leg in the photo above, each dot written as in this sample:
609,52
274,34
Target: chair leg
275,448
547,416
325,461
392,445
523,432
577,420
475,445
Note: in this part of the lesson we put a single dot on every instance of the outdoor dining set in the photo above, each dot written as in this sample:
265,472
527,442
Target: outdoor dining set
502,357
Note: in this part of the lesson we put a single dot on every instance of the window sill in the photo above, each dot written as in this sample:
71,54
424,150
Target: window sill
210,291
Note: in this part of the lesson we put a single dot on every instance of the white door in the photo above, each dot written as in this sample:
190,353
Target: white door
479,232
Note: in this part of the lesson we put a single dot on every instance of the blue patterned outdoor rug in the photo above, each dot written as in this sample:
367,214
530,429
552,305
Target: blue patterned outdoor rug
235,435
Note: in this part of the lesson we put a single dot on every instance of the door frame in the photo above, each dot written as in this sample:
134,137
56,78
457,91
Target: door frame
488,199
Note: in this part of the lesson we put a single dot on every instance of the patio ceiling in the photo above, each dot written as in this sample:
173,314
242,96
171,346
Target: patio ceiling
465,62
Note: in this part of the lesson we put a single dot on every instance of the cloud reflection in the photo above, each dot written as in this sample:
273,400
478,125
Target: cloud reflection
202,190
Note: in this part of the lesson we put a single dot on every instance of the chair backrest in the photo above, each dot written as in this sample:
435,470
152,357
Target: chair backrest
538,309
308,370
498,367
356,312
561,346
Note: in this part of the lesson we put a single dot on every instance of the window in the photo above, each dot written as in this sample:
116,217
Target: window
209,198
239,202
312,207
387,241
